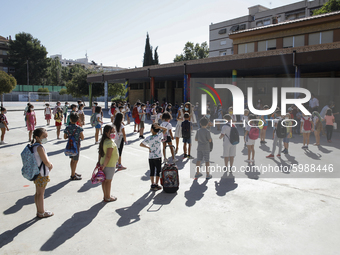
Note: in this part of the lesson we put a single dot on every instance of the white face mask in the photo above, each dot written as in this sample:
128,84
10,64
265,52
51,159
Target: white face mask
44,140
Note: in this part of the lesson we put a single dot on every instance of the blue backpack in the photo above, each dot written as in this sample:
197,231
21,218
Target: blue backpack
72,146
93,120
30,169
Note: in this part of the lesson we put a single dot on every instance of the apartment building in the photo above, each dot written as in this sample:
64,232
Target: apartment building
259,16
4,55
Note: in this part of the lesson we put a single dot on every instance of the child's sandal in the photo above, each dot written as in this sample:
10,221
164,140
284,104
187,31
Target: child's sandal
46,214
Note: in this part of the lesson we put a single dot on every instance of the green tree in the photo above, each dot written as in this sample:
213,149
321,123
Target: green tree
156,61
63,92
330,6
54,73
117,90
7,84
193,51
147,60
26,50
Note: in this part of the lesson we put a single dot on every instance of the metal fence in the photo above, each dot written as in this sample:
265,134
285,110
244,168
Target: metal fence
34,88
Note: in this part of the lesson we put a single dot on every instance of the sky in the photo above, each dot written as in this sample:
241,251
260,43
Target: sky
114,32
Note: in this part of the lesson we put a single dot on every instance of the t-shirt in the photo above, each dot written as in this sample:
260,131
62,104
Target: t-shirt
329,120
226,132
108,143
184,124
203,136
154,142
141,116
65,108
47,110
3,119
71,128
99,116
38,159
168,126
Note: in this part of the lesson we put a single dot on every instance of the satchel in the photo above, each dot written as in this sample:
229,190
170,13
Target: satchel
98,176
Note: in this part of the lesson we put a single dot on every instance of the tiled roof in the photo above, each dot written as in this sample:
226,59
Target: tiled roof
288,22
3,38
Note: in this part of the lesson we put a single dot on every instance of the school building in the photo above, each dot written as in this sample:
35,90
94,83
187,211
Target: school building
300,48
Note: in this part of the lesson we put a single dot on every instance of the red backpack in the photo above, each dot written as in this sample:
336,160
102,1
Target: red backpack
134,112
254,133
307,124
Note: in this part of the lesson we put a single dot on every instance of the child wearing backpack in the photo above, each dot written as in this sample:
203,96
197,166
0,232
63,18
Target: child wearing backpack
289,133
40,155
252,133
73,110
47,113
306,127
186,128
99,123
229,149
168,137
3,124
153,143
203,138
31,121
58,117
277,127
76,132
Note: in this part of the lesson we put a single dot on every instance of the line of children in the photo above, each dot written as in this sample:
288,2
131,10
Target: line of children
3,124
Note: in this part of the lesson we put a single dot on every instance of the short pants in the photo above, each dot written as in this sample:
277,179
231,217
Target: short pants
41,181
76,157
98,126
155,166
187,140
141,124
203,156
57,124
286,140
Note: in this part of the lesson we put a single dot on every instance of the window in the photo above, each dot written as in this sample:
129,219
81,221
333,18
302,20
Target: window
222,31
4,52
259,23
11,70
266,45
246,48
5,69
223,42
223,53
293,41
243,26
321,37
234,28
266,22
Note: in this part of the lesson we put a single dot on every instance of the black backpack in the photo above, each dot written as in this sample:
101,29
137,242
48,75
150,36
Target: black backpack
234,136
186,132
281,131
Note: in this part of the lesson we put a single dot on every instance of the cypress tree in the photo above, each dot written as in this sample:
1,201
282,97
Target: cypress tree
147,61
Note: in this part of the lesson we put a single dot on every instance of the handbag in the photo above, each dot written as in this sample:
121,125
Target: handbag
98,176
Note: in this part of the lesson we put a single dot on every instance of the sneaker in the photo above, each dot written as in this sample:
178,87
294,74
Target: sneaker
278,155
209,176
248,161
252,161
264,142
190,157
286,152
121,167
3,142
174,160
185,155
75,178
304,147
283,151
158,187
270,156
198,175
153,187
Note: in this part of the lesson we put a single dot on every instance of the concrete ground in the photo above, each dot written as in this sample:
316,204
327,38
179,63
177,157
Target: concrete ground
289,213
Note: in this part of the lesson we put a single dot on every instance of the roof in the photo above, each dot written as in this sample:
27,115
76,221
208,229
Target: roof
3,38
287,22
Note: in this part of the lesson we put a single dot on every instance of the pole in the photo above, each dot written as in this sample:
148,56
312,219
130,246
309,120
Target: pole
106,92
28,76
90,95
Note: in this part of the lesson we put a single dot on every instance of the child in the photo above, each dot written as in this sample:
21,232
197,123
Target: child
39,138
77,133
25,112
186,128
229,150
265,126
159,114
329,118
120,138
95,104
58,104
168,137
135,113
203,138
317,127
65,108
289,133
153,143
230,111
107,158
245,121
3,124
113,111
306,127
58,117
98,127
128,112
142,120
47,113
81,115
276,139
153,113
31,121
73,109
250,142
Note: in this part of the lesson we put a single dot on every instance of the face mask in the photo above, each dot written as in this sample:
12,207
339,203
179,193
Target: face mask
44,140
112,135
208,116
286,118
32,109
186,108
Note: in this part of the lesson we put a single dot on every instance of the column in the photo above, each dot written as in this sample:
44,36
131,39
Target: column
105,93
234,77
127,90
152,89
297,79
90,95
